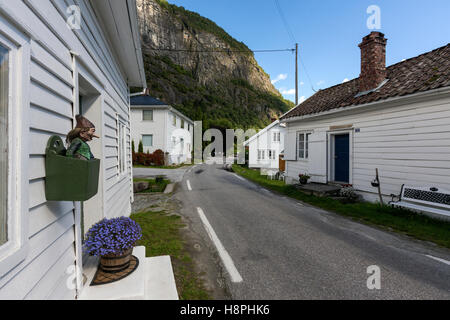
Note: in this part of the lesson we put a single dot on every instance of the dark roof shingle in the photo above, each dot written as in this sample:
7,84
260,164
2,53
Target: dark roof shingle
145,100
425,72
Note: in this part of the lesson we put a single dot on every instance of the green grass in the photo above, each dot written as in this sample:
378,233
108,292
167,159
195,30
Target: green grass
162,236
153,185
403,221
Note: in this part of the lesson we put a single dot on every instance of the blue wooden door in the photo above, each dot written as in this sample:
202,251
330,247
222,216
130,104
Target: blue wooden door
342,158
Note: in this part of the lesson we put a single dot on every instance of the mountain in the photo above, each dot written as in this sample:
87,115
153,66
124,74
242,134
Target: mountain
195,66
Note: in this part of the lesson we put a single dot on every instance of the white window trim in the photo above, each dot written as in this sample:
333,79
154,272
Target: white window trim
122,170
276,137
142,139
153,115
15,249
305,145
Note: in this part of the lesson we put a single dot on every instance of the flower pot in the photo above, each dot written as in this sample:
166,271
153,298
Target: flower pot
303,181
113,263
69,179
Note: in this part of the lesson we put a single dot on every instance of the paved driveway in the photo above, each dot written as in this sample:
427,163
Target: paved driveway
174,175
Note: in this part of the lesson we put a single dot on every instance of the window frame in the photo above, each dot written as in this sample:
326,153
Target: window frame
122,168
14,251
306,139
276,137
174,120
143,114
145,135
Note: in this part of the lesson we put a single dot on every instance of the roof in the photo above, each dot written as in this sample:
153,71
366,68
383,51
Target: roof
270,126
425,72
146,100
120,23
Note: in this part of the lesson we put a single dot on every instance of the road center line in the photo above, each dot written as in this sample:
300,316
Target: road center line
189,185
439,259
224,256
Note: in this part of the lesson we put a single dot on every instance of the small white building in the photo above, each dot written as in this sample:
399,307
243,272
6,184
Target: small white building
392,118
160,126
59,59
266,146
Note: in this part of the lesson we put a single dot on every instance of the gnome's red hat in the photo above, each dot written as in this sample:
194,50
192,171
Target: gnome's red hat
82,122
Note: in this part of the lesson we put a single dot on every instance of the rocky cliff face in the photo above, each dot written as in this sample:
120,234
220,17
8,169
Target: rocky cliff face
205,72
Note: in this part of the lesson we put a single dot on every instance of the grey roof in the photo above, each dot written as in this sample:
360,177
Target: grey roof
146,100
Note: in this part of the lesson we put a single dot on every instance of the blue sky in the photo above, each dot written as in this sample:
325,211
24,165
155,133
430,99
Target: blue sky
328,33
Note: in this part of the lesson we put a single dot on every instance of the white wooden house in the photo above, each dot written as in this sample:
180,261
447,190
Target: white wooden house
265,147
161,126
392,118
59,58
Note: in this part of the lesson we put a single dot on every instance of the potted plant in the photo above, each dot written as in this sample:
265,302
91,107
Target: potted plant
113,240
303,178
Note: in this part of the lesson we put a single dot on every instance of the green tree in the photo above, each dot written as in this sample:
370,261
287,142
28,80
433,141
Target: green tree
141,147
133,147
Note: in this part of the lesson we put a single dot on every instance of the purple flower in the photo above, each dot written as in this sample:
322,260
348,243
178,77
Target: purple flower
112,236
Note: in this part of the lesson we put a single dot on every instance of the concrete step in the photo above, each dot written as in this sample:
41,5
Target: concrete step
152,280
159,279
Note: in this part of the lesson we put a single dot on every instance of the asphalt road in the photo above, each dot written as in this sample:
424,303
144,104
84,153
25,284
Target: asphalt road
283,249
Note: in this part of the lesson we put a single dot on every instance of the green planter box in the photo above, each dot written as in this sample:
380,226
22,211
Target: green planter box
68,179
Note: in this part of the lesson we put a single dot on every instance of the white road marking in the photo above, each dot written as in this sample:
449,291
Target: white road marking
239,177
224,256
189,185
439,259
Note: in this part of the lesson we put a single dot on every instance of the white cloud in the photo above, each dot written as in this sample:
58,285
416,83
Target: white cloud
345,80
280,77
302,83
302,99
288,92
321,82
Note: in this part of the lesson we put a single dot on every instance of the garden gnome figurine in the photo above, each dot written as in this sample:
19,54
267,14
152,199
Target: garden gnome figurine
78,138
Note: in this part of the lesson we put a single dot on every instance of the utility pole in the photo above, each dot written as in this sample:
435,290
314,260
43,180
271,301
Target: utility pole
296,74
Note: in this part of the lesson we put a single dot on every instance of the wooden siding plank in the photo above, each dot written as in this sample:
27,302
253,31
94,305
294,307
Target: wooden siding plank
49,81
46,214
44,98
48,61
50,281
19,287
41,119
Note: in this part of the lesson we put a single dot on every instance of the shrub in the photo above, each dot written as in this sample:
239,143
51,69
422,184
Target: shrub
158,157
349,194
141,147
112,236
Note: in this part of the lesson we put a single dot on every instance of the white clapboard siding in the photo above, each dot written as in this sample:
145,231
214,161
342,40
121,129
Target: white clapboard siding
42,275
409,144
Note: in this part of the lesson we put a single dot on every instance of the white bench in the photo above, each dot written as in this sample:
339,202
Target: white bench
432,200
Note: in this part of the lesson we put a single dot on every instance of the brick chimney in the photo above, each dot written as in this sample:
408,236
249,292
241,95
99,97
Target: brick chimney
373,61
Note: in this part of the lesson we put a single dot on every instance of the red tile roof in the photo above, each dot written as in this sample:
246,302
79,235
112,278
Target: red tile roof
428,71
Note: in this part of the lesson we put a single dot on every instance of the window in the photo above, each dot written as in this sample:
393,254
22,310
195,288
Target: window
271,154
147,115
261,154
174,120
182,124
122,148
147,140
276,137
303,145
4,92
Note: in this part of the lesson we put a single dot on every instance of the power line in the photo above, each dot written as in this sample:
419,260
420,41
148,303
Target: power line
286,24
291,35
221,50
